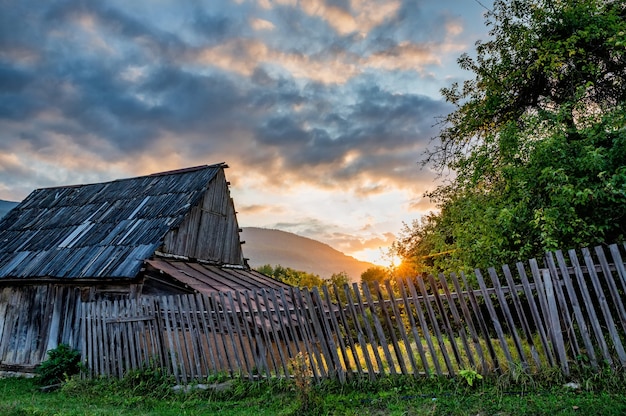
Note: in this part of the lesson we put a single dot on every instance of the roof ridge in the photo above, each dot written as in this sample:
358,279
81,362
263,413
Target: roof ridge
165,173
190,169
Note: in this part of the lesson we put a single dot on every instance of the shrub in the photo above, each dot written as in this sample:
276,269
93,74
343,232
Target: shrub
62,363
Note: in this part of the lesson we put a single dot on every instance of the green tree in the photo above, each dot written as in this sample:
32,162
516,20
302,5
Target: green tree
374,275
537,142
291,276
338,279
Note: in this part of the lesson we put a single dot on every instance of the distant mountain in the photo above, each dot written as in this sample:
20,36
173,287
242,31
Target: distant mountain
274,247
6,206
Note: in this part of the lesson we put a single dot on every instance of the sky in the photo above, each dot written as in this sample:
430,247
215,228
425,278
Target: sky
321,108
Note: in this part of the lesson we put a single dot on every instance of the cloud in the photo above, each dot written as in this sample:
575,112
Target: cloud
339,96
351,243
256,209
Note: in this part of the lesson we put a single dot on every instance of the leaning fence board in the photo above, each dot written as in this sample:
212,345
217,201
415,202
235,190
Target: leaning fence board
604,307
337,331
520,315
382,339
534,312
274,331
555,324
424,327
446,324
343,317
435,325
414,332
494,317
563,305
610,282
578,314
247,366
507,316
619,265
230,330
469,322
391,333
264,333
458,323
398,318
306,334
595,324
359,332
324,338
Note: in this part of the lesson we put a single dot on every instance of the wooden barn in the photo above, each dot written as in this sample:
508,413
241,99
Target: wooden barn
167,233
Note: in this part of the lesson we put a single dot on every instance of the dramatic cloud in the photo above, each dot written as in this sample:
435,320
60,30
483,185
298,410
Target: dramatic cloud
328,103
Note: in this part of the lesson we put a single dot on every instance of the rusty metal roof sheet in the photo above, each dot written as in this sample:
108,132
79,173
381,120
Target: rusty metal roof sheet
97,230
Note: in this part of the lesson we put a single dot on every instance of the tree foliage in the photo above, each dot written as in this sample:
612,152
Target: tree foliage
374,275
537,142
302,279
291,276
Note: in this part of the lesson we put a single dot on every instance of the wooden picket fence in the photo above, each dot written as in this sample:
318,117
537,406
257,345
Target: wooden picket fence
569,309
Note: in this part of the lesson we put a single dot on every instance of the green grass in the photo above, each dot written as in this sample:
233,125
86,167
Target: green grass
149,393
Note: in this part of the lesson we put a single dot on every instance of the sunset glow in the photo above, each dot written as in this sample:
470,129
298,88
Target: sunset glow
321,108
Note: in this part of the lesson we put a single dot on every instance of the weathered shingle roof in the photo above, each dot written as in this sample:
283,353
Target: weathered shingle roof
97,230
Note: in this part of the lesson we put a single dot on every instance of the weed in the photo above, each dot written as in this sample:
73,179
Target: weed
300,368
469,376
149,380
517,377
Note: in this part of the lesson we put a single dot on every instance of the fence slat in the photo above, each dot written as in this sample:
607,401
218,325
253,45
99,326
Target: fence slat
446,323
333,310
555,323
309,340
424,326
591,310
610,281
458,322
352,308
507,316
394,339
564,306
494,317
469,321
519,313
400,324
382,339
578,315
259,349
604,307
443,351
535,314
274,336
238,331
619,264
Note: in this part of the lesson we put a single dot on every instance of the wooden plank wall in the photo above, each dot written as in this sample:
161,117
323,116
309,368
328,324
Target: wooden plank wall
35,319
210,231
570,308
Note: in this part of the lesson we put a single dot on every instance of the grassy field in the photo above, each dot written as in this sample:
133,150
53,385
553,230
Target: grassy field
150,393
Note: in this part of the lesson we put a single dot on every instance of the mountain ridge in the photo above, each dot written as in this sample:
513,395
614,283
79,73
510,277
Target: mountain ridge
6,206
276,247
